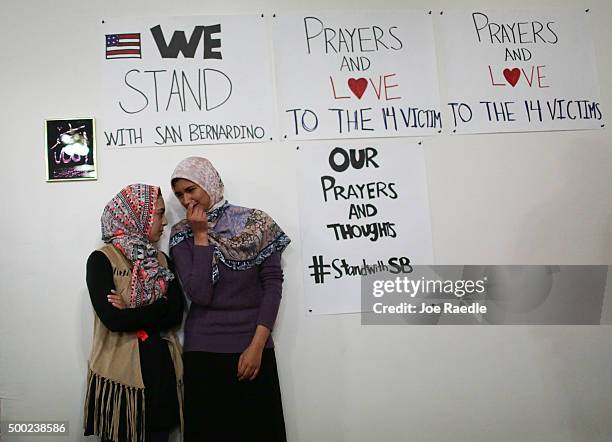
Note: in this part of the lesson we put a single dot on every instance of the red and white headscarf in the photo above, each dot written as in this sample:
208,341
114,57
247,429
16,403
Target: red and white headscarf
126,222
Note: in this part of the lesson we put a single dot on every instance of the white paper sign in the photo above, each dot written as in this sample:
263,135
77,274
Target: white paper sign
363,210
356,75
186,80
511,71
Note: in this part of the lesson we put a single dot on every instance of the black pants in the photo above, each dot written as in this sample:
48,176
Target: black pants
220,408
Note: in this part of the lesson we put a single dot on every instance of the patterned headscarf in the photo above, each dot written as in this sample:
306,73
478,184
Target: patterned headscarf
243,237
126,222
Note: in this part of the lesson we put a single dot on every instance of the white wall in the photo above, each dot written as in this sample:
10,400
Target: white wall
542,198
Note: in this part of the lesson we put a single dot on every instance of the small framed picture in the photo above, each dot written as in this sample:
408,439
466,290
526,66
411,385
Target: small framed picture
71,149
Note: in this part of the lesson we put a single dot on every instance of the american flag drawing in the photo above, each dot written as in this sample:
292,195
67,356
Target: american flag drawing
123,46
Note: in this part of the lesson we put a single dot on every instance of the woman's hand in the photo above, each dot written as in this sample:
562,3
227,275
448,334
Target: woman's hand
250,359
198,221
249,363
116,300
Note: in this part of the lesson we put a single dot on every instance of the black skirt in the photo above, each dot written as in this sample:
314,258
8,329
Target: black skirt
219,407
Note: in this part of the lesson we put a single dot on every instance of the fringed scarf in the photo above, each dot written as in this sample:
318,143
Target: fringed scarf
243,237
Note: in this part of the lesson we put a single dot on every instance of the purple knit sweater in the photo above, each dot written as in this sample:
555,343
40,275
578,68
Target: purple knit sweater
223,317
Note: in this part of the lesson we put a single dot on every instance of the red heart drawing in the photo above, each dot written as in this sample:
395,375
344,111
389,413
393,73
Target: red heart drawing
512,76
358,86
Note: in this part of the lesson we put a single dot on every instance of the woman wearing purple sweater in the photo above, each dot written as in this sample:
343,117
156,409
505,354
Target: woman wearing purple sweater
228,261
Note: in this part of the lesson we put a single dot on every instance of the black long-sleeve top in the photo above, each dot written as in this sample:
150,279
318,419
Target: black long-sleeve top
161,402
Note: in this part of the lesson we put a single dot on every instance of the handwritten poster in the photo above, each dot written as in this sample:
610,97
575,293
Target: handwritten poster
356,75
509,71
363,210
186,80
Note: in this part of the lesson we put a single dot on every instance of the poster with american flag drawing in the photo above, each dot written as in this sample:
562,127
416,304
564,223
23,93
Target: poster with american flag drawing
185,81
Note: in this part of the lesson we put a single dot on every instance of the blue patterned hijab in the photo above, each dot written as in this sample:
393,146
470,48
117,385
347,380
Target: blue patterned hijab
243,237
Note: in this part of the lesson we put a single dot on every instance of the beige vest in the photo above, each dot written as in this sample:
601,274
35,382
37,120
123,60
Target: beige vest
114,363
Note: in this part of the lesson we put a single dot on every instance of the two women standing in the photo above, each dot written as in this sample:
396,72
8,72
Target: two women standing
228,261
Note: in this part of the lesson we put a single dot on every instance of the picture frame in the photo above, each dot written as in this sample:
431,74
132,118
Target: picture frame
70,149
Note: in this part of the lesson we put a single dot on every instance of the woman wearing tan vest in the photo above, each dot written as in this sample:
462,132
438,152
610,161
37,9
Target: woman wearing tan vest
134,382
